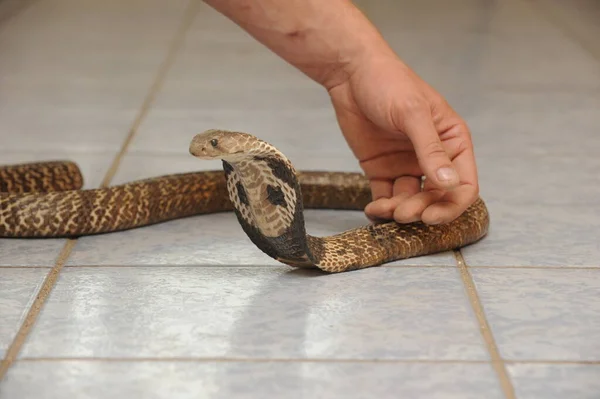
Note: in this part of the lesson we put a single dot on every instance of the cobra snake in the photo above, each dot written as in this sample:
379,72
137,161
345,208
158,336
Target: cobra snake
257,182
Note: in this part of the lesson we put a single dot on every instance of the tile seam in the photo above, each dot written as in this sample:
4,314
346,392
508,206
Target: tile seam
496,359
229,266
34,310
214,266
247,360
201,359
50,280
537,267
174,47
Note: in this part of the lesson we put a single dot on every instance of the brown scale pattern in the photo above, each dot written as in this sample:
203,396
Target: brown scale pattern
75,213
376,244
40,177
45,200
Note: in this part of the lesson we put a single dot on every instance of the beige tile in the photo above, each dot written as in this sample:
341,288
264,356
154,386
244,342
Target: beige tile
82,83
18,288
229,312
542,314
555,381
233,380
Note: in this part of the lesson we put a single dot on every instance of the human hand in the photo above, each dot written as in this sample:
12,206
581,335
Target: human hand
401,129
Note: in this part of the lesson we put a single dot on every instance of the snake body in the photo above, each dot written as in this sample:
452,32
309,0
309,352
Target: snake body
257,182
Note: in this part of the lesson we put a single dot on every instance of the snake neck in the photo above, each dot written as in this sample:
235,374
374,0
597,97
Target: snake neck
267,200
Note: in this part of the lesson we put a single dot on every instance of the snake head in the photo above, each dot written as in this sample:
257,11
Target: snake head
220,144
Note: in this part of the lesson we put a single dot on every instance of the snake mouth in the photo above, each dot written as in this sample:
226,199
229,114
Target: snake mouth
204,154
200,153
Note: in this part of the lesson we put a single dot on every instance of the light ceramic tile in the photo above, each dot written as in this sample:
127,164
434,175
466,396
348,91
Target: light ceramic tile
538,165
154,380
238,84
301,135
578,19
537,181
539,125
398,313
18,288
555,381
64,129
83,82
499,44
30,252
542,314
538,235
11,8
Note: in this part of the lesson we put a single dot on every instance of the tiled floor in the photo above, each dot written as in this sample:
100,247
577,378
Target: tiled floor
192,309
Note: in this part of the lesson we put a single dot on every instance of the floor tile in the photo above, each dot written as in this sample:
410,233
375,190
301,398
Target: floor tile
223,78
578,19
399,313
542,314
83,83
486,44
542,235
555,381
539,181
18,288
302,136
250,380
30,252
12,8
541,124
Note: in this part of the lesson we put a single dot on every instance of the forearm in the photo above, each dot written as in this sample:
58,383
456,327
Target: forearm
325,39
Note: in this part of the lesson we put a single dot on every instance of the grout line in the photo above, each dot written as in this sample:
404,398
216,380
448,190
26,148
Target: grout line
15,347
174,47
51,278
201,359
247,360
484,327
538,267
564,362
240,266
214,266
25,267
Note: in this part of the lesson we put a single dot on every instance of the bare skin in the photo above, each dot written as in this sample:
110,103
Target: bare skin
398,127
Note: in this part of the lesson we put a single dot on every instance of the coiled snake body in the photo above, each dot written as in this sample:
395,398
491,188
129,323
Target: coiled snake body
257,182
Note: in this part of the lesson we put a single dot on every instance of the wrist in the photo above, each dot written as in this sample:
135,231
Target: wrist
360,44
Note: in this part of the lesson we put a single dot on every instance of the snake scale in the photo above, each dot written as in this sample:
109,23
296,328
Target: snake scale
257,182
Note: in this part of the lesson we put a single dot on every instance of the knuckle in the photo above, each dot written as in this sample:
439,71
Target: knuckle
434,149
464,145
414,104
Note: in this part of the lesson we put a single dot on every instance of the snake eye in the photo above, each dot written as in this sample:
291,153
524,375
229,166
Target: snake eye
214,142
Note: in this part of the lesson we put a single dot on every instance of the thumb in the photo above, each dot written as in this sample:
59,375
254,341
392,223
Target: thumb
433,159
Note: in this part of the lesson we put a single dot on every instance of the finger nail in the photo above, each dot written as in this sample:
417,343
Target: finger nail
446,174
